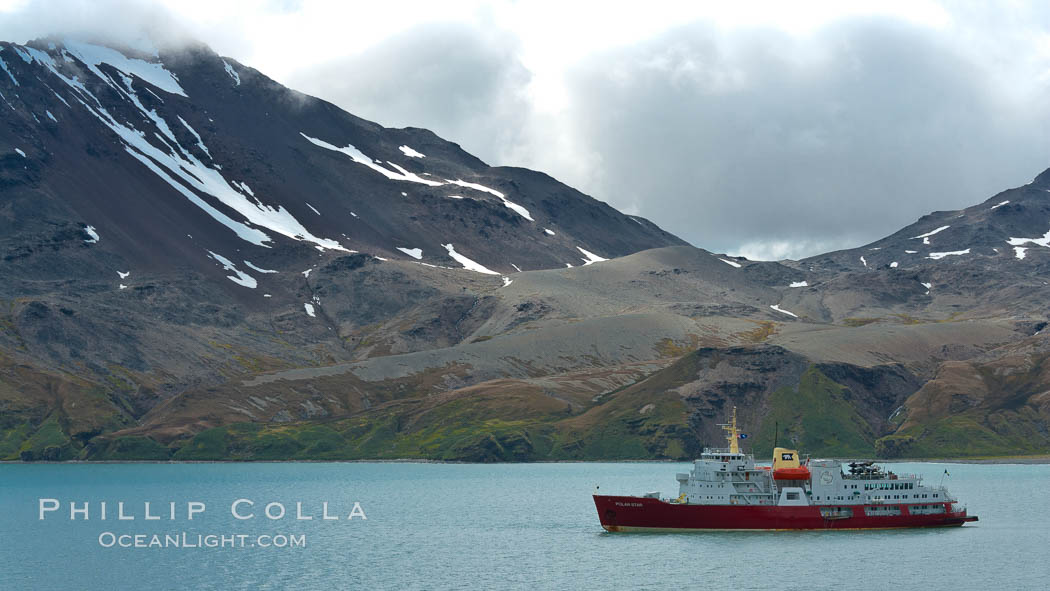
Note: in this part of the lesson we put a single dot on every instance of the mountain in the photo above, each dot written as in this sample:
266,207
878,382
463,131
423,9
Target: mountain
200,263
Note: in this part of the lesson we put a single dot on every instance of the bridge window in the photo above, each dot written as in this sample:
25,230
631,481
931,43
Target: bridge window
792,496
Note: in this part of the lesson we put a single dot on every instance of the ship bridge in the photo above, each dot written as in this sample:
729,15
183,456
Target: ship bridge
726,476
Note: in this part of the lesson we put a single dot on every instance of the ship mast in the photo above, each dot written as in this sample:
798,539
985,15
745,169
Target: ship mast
732,433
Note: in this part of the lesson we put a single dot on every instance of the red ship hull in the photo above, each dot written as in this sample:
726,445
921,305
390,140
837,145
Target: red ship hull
624,514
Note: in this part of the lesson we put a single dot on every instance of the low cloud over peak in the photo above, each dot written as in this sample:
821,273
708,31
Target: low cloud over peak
137,24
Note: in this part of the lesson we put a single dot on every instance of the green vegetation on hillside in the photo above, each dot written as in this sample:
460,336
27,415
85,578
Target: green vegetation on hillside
968,435
130,448
816,418
516,420
48,442
465,430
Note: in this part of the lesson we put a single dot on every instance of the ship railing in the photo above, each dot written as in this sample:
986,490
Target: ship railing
721,451
880,476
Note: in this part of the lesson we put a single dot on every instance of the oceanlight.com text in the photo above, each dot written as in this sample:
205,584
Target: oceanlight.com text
193,540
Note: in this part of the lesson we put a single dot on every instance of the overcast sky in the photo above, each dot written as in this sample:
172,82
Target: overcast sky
777,130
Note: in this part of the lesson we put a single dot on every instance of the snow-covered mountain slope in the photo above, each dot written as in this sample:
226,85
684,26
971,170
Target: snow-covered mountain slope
1008,231
188,161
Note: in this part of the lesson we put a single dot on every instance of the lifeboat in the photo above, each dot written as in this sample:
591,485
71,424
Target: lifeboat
786,465
799,473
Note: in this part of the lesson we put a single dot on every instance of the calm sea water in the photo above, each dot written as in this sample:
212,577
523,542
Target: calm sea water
533,526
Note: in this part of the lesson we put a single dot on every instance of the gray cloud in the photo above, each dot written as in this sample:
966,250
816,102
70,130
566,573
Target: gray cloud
773,147
465,84
132,23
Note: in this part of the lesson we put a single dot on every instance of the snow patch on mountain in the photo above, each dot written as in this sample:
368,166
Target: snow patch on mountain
123,274
94,237
506,202
238,277
154,73
233,73
59,97
1043,241
190,170
260,270
407,151
242,231
549,232
193,173
591,257
200,143
3,66
783,311
309,310
998,205
1019,252
731,263
411,176
20,153
799,284
931,233
940,255
416,253
359,157
467,263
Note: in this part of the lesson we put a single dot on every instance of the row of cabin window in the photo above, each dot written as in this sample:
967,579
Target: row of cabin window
890,486
923,496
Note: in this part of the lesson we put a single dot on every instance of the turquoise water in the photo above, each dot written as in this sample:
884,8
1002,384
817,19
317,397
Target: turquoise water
466,526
